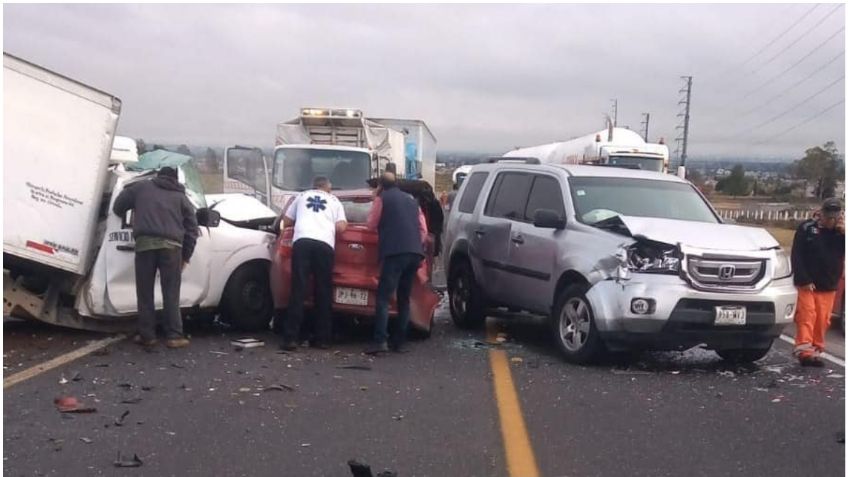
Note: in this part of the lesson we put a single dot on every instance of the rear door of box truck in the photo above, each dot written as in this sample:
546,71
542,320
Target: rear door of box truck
57,142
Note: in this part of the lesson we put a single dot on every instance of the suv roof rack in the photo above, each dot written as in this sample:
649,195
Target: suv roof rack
525,160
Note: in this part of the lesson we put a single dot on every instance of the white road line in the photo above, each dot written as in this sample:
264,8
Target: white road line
833,359
59,361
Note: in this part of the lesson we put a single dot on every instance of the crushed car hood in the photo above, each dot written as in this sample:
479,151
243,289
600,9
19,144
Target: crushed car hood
240,208
700,234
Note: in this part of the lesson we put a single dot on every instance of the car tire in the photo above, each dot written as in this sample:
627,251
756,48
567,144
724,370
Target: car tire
573,324
247,303
741,356
467,306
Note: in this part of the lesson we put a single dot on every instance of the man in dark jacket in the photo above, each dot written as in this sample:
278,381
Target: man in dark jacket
818,253
165,231
402,229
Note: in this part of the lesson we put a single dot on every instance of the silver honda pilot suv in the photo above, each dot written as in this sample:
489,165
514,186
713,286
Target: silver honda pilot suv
618,259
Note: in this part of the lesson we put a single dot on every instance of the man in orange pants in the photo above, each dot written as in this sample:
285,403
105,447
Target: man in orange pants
818,253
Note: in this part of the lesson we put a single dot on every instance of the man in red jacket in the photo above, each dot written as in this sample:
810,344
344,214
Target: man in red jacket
818,253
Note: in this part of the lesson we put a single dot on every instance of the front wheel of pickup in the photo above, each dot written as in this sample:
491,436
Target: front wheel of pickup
467,306
573,323
247,304
743,355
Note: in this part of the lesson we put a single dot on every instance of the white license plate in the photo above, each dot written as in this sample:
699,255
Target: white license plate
730,315
351,296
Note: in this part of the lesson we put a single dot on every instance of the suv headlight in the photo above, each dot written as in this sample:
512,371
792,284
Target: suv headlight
782,265
646,258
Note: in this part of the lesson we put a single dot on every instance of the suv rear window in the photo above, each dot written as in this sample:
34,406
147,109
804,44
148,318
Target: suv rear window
509,195
472,191
545,194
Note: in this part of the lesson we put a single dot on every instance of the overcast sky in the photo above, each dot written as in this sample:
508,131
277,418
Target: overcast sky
484,78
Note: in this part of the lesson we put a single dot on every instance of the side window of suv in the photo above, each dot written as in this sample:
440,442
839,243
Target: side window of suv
546,193
472,191
509,195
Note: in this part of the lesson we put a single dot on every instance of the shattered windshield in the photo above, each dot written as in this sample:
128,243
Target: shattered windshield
598,199
294,168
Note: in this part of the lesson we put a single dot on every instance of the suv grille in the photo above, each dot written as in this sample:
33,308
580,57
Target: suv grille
730,274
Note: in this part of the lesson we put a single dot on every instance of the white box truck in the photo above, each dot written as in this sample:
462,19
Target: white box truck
341,144
67,259
612,146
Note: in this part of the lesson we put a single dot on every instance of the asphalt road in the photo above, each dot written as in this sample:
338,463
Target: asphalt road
210,410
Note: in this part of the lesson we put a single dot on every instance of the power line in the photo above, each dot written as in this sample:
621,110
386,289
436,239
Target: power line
779,36
786,90
793,65
803,35
790,129
793,108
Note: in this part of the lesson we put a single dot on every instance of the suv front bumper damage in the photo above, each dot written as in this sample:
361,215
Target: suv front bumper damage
682,317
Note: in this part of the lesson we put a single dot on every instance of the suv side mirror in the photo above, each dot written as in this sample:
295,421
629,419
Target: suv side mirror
207,217
548,219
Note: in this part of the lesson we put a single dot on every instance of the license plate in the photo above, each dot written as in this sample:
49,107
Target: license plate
351,296
730,315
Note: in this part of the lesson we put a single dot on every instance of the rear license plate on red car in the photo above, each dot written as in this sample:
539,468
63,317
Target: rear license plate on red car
351,296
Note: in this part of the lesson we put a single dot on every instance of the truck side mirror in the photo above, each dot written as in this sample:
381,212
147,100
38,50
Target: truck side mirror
208,218
548,219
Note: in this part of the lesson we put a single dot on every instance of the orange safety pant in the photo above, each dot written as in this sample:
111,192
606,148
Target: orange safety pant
812,319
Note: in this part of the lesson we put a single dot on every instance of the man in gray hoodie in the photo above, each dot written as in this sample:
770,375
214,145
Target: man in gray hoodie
165,231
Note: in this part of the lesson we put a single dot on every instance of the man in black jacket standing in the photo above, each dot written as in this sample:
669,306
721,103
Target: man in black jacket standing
402,229
818,253
165,231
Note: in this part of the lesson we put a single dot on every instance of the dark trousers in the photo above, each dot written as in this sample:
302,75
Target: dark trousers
397,274
311,257
169,264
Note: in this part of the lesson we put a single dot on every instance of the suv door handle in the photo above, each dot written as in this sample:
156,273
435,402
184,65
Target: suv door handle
480,232
519,239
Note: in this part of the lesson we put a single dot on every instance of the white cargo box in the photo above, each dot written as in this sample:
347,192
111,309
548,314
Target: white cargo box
57,143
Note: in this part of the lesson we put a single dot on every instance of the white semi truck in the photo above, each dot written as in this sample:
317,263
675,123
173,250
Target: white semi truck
341,144
612,146
67,259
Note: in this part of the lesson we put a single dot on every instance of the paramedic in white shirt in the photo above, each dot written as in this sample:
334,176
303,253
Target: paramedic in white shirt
317,216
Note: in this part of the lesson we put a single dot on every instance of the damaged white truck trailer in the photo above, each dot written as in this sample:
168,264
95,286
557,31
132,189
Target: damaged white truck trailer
67,259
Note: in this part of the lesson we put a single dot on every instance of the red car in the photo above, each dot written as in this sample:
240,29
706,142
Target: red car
357,270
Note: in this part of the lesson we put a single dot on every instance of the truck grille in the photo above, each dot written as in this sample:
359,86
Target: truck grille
731,274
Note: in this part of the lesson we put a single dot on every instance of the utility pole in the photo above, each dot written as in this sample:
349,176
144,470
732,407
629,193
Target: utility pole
646,119
683,142
614,112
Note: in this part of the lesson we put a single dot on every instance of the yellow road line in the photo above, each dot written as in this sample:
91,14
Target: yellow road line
519,453
59,361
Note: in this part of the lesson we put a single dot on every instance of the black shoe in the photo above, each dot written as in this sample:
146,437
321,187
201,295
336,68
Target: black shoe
398,348
811,361
288,346
377,348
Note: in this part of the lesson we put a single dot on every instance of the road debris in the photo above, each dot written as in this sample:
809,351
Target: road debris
728,374
361,367
177,365
72,404
76,377
134,400
57,443
62,380
219,353
278,387
517,359
119,421
130,462
305,444
86,440
245,343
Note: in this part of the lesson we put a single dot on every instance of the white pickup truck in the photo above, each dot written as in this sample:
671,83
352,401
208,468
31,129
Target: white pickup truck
67,259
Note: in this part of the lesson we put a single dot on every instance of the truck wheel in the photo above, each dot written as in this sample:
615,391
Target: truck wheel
467,305
247,303
573,323
743,355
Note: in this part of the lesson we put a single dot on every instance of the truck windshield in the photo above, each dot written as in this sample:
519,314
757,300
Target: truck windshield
646,163
294,168
600,198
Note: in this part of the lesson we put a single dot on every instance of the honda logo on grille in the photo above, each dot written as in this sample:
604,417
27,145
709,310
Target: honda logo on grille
726,272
